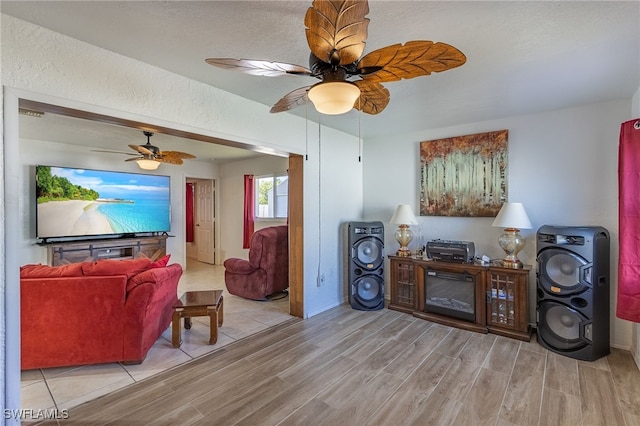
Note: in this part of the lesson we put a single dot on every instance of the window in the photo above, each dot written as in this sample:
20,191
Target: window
272,196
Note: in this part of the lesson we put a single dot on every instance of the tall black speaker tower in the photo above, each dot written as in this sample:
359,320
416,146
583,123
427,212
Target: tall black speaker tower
573,290
366,265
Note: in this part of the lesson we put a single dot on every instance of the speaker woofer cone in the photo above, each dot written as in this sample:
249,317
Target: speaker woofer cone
369,253
562,272
560,326
368,290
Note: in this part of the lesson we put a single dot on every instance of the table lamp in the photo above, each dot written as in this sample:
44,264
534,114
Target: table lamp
512,217
403,217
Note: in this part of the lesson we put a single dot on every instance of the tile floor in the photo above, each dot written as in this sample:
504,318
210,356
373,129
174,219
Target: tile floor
65,387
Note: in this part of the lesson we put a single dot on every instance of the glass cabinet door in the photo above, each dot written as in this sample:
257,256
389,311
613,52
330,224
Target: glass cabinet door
501,307
403,285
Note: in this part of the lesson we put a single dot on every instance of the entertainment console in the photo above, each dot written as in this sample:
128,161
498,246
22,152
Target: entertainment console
62,253
486,299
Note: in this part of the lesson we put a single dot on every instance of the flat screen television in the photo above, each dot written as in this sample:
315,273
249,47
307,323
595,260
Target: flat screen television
74,202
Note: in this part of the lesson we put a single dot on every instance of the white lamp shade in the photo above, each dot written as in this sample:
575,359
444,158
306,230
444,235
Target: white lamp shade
512,215
146,164
334,97
403,216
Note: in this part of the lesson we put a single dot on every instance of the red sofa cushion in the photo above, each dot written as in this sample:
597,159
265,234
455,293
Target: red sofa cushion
109,267
46,271
154,276
71,320
160,263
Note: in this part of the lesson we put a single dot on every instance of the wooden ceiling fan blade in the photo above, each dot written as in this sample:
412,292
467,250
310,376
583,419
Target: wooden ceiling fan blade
134,159
373,97
337,30
169,160
112,152
292,100
141,149
257,67
413,59
176,154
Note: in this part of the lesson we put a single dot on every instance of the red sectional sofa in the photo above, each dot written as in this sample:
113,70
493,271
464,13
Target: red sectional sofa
94,312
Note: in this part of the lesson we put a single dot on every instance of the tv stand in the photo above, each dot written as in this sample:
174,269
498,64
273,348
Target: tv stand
62,253
501,295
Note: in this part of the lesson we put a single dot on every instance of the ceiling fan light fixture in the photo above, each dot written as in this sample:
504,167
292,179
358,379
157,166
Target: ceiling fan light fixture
334,97
146,164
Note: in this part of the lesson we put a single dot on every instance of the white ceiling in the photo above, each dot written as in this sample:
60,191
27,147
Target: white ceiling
95,135
522,56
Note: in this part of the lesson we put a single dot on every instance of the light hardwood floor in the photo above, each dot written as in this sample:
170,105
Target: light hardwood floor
348,367
65,387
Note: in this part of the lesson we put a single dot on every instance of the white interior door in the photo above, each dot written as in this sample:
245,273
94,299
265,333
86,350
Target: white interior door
205,221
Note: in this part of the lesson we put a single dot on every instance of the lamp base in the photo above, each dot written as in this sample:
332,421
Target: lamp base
403,252
511,242
509,263
403,236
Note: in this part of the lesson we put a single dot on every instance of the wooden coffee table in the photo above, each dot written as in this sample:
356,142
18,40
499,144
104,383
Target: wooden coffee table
197,304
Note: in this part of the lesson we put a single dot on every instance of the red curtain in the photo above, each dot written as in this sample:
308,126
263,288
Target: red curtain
189,212
248,211
629,222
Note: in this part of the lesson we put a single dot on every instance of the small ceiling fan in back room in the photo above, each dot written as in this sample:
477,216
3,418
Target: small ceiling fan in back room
149,156
336,33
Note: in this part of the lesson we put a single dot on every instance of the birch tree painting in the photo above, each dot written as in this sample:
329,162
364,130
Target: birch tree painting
464,175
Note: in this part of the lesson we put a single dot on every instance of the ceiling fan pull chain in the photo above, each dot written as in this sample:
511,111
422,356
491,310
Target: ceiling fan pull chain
319,202
359,130
306,131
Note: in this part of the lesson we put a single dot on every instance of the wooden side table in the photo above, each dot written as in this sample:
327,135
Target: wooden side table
197,304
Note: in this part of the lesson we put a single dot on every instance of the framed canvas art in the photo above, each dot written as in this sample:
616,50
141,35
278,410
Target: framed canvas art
464,175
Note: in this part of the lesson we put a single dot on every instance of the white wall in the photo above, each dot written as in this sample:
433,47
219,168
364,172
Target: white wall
232,201
44,66
13,376
334,170
562,166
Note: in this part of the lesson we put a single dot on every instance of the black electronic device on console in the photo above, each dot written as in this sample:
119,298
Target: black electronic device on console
451,251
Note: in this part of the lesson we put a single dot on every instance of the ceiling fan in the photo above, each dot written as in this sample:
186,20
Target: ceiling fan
336,33
149,156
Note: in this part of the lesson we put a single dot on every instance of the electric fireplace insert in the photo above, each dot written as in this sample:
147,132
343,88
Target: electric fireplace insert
451,294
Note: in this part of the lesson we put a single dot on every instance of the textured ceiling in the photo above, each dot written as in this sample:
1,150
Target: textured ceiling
522,57
95,135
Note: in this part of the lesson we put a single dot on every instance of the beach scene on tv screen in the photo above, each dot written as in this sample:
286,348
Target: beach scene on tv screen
79,202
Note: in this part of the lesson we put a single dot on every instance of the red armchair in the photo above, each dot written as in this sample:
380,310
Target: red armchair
267,270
